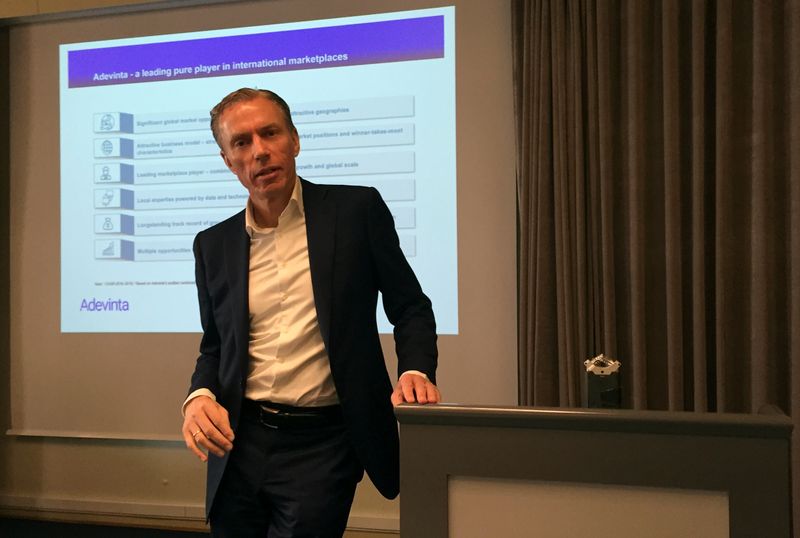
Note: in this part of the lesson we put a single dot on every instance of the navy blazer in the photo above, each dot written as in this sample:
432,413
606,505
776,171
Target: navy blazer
354,252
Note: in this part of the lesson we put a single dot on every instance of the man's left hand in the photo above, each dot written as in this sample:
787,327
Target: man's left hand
415,388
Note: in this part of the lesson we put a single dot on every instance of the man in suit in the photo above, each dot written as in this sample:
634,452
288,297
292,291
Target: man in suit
290,400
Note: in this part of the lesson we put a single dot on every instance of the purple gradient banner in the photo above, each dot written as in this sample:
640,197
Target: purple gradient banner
312,48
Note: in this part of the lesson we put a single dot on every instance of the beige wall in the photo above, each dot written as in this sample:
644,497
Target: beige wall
159,483
28,8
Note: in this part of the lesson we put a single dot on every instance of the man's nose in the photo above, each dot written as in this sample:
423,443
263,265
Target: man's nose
260,148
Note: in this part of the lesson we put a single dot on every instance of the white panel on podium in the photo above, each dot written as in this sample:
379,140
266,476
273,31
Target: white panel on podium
480,507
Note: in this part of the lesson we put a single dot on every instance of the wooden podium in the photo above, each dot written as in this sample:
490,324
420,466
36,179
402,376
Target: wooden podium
552,473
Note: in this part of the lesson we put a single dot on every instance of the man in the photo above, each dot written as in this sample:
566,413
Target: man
290,397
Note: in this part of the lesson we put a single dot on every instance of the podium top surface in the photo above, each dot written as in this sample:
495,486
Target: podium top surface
610,420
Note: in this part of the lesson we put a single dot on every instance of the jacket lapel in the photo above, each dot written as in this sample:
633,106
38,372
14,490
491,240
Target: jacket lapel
320,213
237,268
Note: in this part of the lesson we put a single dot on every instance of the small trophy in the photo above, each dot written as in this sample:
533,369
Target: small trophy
602,383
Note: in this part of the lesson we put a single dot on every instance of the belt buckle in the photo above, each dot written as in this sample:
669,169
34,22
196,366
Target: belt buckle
266,411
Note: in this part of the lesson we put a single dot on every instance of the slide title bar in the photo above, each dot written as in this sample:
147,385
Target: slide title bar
313,48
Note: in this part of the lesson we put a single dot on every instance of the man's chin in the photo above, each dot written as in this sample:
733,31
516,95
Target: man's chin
270,191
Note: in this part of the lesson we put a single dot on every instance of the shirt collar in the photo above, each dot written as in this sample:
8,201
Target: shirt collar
295,201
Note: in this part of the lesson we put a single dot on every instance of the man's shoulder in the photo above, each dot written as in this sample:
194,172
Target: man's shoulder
223,228
340,192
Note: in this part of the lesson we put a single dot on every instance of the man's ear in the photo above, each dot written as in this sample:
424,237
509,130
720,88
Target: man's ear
296,142
226,160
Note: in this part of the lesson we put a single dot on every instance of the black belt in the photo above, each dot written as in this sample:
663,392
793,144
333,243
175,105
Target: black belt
286,417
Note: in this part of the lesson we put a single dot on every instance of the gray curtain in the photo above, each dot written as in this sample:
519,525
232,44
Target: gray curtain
659,201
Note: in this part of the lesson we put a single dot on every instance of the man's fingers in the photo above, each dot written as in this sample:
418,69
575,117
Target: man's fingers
408,389
211,442
207,436
214,440
208,439
206,427
191,444
222,423
434,396
217,432
413,388
420,388
397,396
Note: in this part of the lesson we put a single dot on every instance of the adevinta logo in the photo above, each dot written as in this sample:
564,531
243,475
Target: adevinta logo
109,305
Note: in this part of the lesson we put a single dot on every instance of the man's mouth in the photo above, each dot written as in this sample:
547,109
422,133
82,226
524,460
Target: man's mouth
266,172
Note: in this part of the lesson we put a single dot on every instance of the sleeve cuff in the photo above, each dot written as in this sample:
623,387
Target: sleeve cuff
412,372
195,394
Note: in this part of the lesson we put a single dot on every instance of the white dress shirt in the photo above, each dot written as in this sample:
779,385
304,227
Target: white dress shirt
288,360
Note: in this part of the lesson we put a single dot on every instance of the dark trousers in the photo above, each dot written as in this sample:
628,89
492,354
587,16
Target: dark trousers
286,482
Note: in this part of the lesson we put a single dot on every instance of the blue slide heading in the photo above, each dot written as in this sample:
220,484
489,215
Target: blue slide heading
310,48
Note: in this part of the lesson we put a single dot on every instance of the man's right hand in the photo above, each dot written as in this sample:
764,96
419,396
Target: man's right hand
206,427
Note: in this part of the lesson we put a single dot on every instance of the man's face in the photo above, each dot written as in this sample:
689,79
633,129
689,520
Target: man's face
259,147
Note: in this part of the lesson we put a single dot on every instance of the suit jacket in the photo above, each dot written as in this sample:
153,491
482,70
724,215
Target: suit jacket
354,252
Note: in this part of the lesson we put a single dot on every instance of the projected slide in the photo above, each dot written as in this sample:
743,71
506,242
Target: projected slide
373,99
